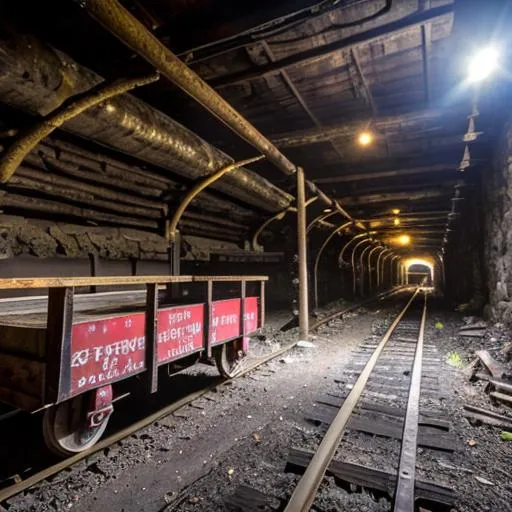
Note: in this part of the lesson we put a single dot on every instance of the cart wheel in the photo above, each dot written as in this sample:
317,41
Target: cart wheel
65,428
228,358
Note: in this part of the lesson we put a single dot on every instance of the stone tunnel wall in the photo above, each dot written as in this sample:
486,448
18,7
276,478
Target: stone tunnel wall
497,200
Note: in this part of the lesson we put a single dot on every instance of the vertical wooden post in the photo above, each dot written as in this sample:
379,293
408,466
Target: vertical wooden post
243,293
262,304
208,318
58,344
302,253
151,348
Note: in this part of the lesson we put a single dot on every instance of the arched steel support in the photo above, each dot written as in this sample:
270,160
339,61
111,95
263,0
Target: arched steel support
361,242
320,252
379,273
391,269
320,218
344,248
362,268
378,247
383,268
278,216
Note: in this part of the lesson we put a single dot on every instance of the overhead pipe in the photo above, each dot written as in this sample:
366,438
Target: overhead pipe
379,247
123,123
362,269
319,254
130,31
320,219
361,242
71,108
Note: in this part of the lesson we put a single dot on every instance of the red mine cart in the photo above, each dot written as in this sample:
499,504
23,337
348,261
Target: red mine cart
66,352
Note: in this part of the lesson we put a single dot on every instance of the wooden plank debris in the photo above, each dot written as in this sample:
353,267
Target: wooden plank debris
495,368
372,478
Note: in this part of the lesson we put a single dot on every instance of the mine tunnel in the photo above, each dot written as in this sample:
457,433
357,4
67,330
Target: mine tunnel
255,255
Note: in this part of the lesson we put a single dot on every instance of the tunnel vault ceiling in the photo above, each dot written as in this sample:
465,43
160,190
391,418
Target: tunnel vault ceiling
311,76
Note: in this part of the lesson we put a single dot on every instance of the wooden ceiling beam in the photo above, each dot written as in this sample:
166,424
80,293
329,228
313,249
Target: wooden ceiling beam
411,171
395,196
414,20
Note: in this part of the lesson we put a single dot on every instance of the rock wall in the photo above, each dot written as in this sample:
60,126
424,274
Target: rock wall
498,229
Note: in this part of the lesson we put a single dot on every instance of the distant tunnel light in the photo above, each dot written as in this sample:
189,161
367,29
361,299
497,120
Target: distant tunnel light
483,64
396,221
365,138
395,211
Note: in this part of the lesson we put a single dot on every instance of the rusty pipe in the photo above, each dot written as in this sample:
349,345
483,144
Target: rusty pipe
71,108
36,79
319,254
361,268
130,31
196,189
370,266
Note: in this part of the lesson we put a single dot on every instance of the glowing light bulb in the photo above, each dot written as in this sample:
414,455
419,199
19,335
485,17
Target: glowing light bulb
395,211
365,138
404,239
483,64
396,221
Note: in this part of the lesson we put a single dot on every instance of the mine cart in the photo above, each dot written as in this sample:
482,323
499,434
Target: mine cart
68,352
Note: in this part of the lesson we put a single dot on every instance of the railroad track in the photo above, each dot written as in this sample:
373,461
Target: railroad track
383,400
47,472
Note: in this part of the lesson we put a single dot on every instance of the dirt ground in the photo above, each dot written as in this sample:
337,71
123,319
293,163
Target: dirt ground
241,434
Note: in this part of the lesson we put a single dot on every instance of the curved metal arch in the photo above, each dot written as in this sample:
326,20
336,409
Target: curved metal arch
379,275
361,242
383,273
320,218
320,252
362,267
344,248
391,268
278,216
370,265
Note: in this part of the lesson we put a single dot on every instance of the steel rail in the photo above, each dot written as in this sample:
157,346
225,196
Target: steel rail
9,492
404,492
336,314
305,492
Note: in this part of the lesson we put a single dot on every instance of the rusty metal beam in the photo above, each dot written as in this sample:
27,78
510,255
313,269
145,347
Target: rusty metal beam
196,189
122,24
301,58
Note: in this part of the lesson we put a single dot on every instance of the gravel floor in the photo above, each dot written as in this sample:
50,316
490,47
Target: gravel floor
241,434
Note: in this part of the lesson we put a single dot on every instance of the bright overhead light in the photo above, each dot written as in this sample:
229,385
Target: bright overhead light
365,138
404,240
396,221
395,211
483,64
